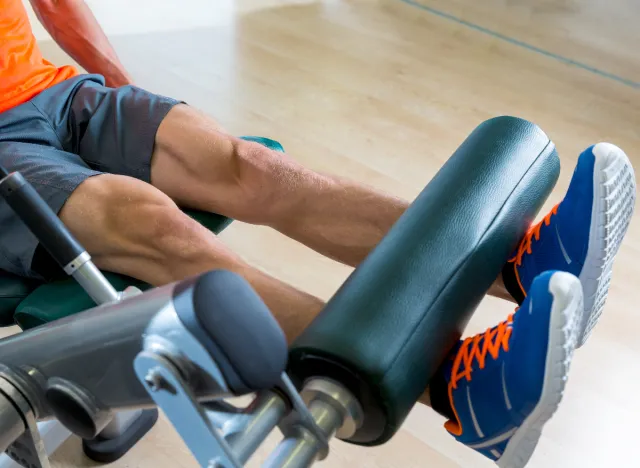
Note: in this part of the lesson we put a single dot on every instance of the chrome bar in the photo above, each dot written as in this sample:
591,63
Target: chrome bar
94,283
301,451
267,415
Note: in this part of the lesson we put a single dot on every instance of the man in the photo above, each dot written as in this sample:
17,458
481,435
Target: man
115,162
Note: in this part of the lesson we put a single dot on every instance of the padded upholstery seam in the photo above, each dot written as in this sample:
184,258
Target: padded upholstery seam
444,287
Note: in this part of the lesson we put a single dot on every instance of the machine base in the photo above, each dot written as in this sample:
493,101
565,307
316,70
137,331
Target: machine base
104,450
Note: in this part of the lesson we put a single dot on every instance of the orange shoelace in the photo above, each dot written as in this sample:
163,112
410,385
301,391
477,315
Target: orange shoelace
534,232
477,347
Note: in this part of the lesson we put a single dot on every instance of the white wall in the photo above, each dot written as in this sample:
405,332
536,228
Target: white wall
121,17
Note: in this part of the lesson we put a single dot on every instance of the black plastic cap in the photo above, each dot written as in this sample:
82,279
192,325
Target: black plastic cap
235,326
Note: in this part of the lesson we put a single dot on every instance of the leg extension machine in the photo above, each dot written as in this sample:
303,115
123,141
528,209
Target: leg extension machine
354,374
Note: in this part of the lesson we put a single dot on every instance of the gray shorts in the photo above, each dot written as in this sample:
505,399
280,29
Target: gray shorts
66,134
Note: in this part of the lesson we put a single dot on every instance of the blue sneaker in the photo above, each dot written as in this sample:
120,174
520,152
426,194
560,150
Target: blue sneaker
583,233
506,383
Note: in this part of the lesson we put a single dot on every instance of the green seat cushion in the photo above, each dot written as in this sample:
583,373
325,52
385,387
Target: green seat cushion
13,290
61,298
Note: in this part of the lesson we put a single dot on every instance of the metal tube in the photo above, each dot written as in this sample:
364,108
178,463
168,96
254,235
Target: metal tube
106,338
301,451
95,284
11,424
265,418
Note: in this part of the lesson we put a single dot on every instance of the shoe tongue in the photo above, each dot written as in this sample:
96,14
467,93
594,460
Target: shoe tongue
446,369
453,426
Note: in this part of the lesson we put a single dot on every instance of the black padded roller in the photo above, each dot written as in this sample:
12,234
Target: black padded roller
390,326
230,320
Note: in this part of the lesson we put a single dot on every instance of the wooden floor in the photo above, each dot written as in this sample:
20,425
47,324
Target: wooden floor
384,91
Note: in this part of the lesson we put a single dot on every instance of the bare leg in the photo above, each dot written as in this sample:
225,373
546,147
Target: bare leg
200,166
499,290
129,227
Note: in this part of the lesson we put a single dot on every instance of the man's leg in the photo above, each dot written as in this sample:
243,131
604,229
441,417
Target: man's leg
200,166
492,380
132,228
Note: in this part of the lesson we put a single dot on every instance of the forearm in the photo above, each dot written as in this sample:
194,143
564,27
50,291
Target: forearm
76,30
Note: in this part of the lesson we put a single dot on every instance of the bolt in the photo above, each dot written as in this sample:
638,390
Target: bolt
156,382
215,463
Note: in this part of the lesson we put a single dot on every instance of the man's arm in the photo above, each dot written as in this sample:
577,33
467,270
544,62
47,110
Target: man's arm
76,30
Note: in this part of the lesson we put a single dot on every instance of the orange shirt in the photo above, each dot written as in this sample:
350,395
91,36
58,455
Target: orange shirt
23,71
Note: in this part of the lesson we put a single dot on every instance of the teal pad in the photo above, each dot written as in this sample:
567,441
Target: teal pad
390,326
13,290
30,303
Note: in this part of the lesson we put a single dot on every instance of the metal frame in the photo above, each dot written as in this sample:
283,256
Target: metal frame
170,369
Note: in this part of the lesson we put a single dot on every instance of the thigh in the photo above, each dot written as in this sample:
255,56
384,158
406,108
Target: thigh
114,218
132,228
55,175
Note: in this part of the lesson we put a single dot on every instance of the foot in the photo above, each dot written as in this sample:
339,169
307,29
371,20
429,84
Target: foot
583,233
506,383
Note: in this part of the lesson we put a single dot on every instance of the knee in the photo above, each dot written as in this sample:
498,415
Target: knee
166,245
119,219
268,181
161,233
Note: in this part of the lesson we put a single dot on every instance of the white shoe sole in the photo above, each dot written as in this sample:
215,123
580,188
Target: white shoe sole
614,195
564,328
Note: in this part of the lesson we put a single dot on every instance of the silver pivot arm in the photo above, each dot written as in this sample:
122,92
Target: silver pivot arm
184,349
223,436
